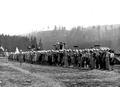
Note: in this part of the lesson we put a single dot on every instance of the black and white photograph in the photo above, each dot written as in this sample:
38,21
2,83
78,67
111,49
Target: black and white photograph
59,43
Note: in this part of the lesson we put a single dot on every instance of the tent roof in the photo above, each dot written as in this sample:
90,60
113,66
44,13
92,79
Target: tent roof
1,49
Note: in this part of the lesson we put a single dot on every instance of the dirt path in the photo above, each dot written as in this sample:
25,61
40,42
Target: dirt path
49,81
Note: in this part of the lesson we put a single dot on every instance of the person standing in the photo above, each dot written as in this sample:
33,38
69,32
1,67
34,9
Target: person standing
65,58
92,62
107,60
79,59
20,57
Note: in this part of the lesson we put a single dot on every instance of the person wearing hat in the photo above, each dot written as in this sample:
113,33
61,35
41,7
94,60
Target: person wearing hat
79,58
107,61
65,58
20,57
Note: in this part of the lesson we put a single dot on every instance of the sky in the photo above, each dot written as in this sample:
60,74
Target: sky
24,16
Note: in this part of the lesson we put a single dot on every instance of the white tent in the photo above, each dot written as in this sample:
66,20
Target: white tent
17,50
1,48
1,51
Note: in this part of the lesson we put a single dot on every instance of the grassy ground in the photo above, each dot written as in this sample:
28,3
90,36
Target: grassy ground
64,76
75,77
10,77
14,76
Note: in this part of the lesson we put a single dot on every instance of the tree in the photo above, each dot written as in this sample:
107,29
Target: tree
33,43
40,45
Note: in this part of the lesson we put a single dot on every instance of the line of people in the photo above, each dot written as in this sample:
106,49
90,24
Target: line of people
80,58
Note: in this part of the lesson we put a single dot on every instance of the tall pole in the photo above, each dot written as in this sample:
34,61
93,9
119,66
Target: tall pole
99,36
0,42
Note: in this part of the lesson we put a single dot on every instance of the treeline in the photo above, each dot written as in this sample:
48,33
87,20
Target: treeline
106,35
24,43
11,42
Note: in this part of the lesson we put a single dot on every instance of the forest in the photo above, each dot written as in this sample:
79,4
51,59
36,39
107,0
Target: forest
10,43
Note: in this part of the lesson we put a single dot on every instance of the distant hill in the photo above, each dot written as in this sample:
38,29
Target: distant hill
106,35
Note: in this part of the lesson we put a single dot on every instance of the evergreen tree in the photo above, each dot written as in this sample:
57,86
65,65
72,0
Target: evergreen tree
33,43
40,45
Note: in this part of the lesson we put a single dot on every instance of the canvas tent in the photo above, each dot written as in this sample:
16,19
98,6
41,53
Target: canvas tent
17,50
1,51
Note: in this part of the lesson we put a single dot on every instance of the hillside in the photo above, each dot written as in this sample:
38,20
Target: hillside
106,35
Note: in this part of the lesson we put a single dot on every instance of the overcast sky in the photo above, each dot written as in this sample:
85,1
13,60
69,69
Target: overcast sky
23,16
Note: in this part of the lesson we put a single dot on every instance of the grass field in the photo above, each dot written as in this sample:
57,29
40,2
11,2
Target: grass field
28,75
10,77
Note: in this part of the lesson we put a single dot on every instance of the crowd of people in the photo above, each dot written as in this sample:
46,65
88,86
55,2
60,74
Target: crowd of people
79,58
